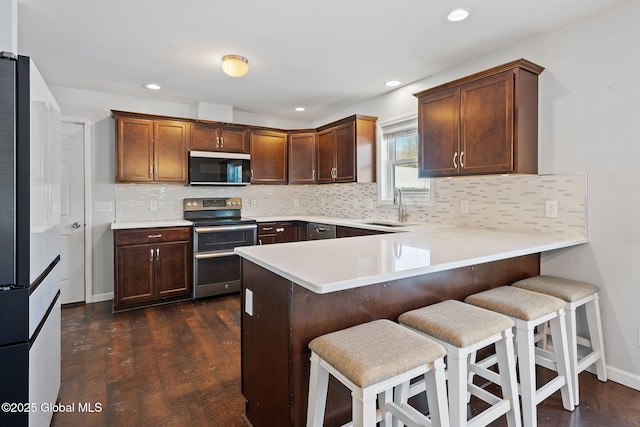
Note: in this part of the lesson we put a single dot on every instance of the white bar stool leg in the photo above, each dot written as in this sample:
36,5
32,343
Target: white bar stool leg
559,333
527,367
508,380
436,387
318,384
594,324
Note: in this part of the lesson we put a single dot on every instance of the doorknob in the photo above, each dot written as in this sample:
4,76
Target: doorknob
76,225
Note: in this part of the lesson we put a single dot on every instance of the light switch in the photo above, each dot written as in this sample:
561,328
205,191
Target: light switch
248,302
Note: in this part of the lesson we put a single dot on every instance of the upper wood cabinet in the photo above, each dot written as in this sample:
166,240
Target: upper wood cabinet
484,123
215,137
149,150
302,157
268,157
346,150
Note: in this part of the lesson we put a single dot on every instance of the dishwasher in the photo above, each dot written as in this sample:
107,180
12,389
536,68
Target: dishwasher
319,231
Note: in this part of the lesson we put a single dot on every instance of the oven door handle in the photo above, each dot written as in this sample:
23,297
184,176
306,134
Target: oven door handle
213,255
223,228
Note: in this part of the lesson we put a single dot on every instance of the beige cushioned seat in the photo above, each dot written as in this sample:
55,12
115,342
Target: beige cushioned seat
565,289
516,302
372,352
456,323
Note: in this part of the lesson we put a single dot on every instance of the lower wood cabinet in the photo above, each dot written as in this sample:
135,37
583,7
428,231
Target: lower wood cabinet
277,232
152,265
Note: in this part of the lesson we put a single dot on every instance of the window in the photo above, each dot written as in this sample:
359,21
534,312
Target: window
399,163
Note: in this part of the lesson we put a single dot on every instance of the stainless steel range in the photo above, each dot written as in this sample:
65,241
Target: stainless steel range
218,228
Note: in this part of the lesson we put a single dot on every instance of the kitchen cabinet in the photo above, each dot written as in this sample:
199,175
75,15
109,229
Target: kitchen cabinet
151,150
268,157
152,265
216,137
277,232
342,231
481,124
346,150
302,157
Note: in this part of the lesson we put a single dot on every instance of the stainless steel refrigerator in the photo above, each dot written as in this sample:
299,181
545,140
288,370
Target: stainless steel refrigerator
29,245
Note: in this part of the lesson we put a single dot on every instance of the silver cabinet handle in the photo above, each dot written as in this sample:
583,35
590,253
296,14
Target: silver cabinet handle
154,236
313,174
279,230
151,256
267,228
157,174
455,156
76,225
461,156
217,142
221,142
157,254
150,171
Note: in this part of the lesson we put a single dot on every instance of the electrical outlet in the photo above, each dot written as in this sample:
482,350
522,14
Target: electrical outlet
296,202
464,206
153,205
551,209
254,203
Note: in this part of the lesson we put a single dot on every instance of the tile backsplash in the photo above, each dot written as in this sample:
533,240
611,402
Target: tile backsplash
508,203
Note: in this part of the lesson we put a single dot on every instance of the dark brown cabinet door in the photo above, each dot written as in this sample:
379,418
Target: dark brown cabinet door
135,280
233,139
480,124
204,137
486,116
134,150
439,124
345,153
170,150
268,157
173,267
152,265
302,158
326,155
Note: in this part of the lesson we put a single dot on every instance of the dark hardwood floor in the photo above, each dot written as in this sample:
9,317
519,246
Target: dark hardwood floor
179,365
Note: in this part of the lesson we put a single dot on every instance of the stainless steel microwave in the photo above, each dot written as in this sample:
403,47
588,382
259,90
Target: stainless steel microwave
218,168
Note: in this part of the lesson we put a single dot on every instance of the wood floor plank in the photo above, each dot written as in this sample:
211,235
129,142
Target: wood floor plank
179,365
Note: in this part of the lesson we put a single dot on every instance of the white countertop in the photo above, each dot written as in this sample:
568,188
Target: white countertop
324,266
150,224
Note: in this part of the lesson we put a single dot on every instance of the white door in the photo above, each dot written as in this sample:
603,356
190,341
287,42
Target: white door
72,227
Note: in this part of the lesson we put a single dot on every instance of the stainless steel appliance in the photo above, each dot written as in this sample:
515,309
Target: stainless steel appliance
218,228
218,168
29,244
321,231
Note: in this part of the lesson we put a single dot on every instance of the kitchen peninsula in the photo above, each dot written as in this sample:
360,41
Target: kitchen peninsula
294,292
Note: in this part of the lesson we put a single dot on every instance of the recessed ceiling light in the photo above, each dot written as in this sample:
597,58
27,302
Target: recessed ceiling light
459,14
152,86
392,83
300,108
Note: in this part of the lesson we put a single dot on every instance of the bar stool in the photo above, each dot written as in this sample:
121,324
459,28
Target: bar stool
371,359
575,294
529,309
462,329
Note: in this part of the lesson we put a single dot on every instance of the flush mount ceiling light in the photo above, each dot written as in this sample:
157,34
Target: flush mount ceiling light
457,15
392,83
235,65
152,86
300,108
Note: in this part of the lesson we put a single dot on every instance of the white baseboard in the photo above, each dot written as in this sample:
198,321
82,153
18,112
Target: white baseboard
623,377
102,297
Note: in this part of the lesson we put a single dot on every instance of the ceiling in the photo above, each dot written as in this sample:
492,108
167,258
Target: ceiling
321,55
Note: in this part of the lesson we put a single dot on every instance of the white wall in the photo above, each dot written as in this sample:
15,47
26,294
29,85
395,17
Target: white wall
9,26
588,122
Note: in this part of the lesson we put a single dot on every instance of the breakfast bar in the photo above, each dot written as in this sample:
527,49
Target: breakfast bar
294,292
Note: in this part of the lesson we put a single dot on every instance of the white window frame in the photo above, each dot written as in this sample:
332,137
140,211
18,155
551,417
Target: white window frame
386,162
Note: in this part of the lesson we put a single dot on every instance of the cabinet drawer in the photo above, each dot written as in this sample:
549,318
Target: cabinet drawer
266,228
151,235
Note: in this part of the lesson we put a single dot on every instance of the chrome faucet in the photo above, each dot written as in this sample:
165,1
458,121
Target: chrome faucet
402,209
